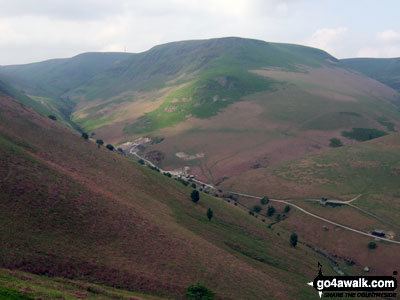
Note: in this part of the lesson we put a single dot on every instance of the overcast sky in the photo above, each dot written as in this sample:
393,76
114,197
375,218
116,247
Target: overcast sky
34,30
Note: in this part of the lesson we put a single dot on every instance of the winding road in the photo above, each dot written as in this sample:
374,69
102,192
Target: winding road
291,204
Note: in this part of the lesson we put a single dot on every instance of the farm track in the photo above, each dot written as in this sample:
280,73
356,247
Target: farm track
294,205
321,218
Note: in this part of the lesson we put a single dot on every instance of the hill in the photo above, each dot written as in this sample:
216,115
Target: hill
110,82
53,78
43,106
72,210
224,106
263,118
385,70
300,115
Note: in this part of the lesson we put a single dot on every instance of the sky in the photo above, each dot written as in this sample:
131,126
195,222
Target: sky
35,30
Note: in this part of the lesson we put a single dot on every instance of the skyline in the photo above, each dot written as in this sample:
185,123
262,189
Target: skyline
58,28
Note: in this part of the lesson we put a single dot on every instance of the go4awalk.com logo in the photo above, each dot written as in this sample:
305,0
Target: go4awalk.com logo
354,286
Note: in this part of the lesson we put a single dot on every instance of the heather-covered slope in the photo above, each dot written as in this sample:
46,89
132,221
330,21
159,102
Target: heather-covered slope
69,209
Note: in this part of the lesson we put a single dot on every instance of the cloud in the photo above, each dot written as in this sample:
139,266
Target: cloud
34,30
389,36
62,9
328,39
385,44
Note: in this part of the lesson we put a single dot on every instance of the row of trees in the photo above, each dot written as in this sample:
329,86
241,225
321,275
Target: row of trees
270,210
100,143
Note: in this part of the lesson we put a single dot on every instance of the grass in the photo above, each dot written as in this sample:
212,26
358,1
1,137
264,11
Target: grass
390,126
202,98
365,168
17,285
94,123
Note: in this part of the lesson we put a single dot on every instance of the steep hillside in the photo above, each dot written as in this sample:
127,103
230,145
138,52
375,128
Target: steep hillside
17,285
53,78
44,106
70,209
385,70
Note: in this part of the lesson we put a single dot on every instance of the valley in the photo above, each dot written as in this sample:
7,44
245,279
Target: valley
276,138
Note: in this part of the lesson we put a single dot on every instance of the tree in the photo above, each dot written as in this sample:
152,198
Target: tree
293,239
264,200
270,211
199,292
286,209
193,185
141,161
52,117
210,214
85,136
195,196
372,245
257,208
335,142
110,147
99,143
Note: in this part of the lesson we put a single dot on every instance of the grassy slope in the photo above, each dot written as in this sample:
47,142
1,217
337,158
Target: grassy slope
42,105
386,70
69,209
368,167
365,168
17,285
53,78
